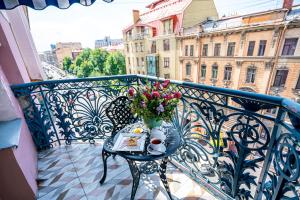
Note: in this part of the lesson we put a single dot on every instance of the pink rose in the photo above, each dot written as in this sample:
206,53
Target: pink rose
131,91
177,95
166,83
147,95
168,97
157,85
155,94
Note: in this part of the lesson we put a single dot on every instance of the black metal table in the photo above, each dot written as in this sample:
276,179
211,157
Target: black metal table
144,162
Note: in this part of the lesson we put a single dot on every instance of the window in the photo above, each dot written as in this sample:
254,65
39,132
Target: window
167,26
298,83
203,71
262,47
137,62
188,69
250,75
136,47
167,76
251,48
289,46
166,62
214,73
230,49
205,50
166,45
217,49
128,61
186,52
227,73
141,47
143,61
280,78
192,50
138,72
127,47
153,47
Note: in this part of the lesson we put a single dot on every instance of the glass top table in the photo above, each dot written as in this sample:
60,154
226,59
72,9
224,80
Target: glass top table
144,162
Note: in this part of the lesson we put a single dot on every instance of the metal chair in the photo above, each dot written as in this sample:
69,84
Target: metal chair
119,112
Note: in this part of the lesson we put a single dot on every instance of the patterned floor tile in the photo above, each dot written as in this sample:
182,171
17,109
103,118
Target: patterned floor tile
73,172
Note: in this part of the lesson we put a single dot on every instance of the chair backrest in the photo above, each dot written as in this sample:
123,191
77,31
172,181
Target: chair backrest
119,112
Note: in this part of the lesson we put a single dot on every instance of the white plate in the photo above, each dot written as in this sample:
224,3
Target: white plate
120,146
154,152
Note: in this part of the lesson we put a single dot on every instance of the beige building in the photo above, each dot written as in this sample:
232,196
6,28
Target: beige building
67,49
259,52
150,43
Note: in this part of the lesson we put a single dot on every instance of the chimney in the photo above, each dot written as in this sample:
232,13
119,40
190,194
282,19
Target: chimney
287,4
136,15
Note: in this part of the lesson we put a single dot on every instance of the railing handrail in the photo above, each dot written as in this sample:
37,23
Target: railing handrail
72,80
288,104
226,91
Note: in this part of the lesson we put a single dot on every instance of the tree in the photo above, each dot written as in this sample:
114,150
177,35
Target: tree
95,63
98,59
115,64
85,69
67,62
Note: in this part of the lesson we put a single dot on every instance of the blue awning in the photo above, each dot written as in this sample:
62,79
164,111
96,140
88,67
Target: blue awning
42,4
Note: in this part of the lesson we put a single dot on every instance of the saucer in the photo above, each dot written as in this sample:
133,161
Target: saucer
154,152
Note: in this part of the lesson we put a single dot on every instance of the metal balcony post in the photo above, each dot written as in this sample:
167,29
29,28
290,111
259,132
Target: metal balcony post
268,158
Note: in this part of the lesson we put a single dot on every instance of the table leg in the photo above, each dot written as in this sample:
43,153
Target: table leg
105,155
135,172
162,173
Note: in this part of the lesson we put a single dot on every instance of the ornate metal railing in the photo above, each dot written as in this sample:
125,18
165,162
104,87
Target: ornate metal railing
238,144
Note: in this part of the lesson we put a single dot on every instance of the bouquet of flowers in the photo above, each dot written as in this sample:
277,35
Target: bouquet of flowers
154,102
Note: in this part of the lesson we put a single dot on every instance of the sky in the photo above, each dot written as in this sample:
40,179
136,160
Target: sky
87,24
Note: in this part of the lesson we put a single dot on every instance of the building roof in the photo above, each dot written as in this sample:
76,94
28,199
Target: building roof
160,10
237,21
164,9
294,14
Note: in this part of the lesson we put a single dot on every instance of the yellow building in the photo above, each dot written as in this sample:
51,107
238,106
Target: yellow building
67,49
258,52
150,43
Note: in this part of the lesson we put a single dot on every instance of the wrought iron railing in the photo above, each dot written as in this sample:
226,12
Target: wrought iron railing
238,144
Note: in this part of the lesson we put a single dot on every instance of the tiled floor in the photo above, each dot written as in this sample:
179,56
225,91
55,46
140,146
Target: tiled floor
73,172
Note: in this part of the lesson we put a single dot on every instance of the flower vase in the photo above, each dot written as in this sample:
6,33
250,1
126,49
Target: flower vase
152,122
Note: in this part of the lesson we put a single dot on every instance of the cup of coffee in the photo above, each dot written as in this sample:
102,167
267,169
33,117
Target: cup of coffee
157,144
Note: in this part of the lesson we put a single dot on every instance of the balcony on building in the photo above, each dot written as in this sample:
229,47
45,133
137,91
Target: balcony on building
234,144
228,140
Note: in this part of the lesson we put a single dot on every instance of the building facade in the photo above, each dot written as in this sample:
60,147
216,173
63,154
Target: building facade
258,52
151,44
49,57
67,49
107,41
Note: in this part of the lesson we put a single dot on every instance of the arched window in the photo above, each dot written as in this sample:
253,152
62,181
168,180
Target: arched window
188,69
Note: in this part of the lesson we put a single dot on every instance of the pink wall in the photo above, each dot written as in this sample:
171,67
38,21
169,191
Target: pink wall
25,154
20,27
13,71
11,59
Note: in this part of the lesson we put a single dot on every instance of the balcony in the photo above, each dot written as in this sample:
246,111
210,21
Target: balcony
230,146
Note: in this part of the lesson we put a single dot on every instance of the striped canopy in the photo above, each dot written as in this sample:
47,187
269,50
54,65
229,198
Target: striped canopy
42,4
